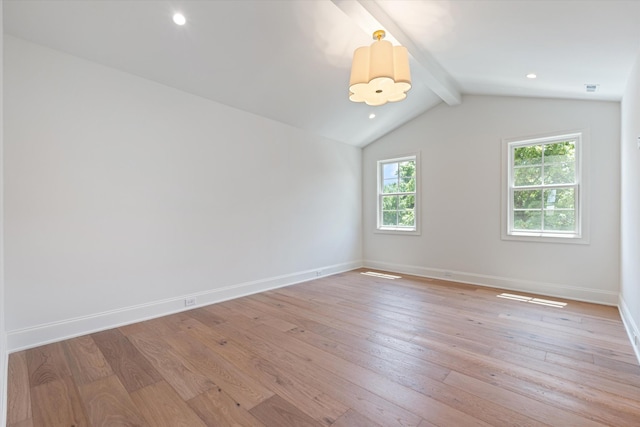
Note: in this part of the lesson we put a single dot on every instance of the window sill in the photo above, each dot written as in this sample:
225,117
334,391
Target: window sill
398,231
546,238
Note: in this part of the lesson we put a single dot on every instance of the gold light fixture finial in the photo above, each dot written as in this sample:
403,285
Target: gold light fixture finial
379,73
379,35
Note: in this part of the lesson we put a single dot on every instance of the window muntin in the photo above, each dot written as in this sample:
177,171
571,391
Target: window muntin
544,187
397,194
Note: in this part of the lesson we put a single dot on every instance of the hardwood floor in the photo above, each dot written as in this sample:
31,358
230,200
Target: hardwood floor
346,350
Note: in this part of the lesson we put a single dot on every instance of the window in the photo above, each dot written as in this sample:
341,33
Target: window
397,195
544,186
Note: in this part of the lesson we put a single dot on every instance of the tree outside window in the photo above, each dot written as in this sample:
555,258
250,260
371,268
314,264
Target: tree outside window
397,194
544,187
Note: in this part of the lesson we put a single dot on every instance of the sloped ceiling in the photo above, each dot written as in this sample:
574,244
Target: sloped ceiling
289,60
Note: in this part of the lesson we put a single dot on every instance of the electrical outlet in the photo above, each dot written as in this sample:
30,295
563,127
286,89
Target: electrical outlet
448,274
188,302
318,273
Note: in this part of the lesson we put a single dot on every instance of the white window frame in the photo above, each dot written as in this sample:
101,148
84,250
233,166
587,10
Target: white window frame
415,230
581,236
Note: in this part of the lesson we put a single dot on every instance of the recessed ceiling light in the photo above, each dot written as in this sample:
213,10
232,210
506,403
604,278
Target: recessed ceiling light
372,116
179,19
531,76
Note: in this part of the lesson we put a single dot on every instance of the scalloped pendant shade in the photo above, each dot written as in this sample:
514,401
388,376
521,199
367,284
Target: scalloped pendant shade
379,73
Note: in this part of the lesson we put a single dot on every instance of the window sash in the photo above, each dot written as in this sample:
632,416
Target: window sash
542,230
381,178
543,209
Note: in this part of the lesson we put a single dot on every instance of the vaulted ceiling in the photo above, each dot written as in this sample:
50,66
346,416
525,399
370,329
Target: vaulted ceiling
289,60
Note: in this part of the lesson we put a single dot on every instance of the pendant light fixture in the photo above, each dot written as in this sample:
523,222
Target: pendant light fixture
380,72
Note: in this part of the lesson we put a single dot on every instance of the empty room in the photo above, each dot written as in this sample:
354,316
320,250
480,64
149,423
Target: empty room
330,213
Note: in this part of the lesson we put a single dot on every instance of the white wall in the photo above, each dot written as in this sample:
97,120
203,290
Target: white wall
123,196
630,206
461,198
3,335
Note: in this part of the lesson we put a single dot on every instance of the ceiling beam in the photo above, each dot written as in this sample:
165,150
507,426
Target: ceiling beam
371,17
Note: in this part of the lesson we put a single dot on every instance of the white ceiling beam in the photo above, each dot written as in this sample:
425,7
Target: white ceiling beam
371,17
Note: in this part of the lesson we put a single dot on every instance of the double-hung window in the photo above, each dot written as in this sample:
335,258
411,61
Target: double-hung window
397,195
544,188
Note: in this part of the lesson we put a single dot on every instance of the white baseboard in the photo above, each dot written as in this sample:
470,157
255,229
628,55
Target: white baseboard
4,377
56,331
632,327
549,289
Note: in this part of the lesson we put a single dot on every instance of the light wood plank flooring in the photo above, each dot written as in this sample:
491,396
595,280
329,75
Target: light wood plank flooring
346,350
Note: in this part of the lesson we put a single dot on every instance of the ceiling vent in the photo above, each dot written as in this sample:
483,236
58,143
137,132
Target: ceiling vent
591,88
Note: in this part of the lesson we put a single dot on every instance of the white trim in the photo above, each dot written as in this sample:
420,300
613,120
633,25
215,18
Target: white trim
630,326
550,289
55,331
4,355
582,184
397,231
4,367
411,231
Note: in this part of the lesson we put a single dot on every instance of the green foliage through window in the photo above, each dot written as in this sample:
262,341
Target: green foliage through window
544,187
397,194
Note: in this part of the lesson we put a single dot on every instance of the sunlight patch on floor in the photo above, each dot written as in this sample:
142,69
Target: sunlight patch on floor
381,275
530,300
